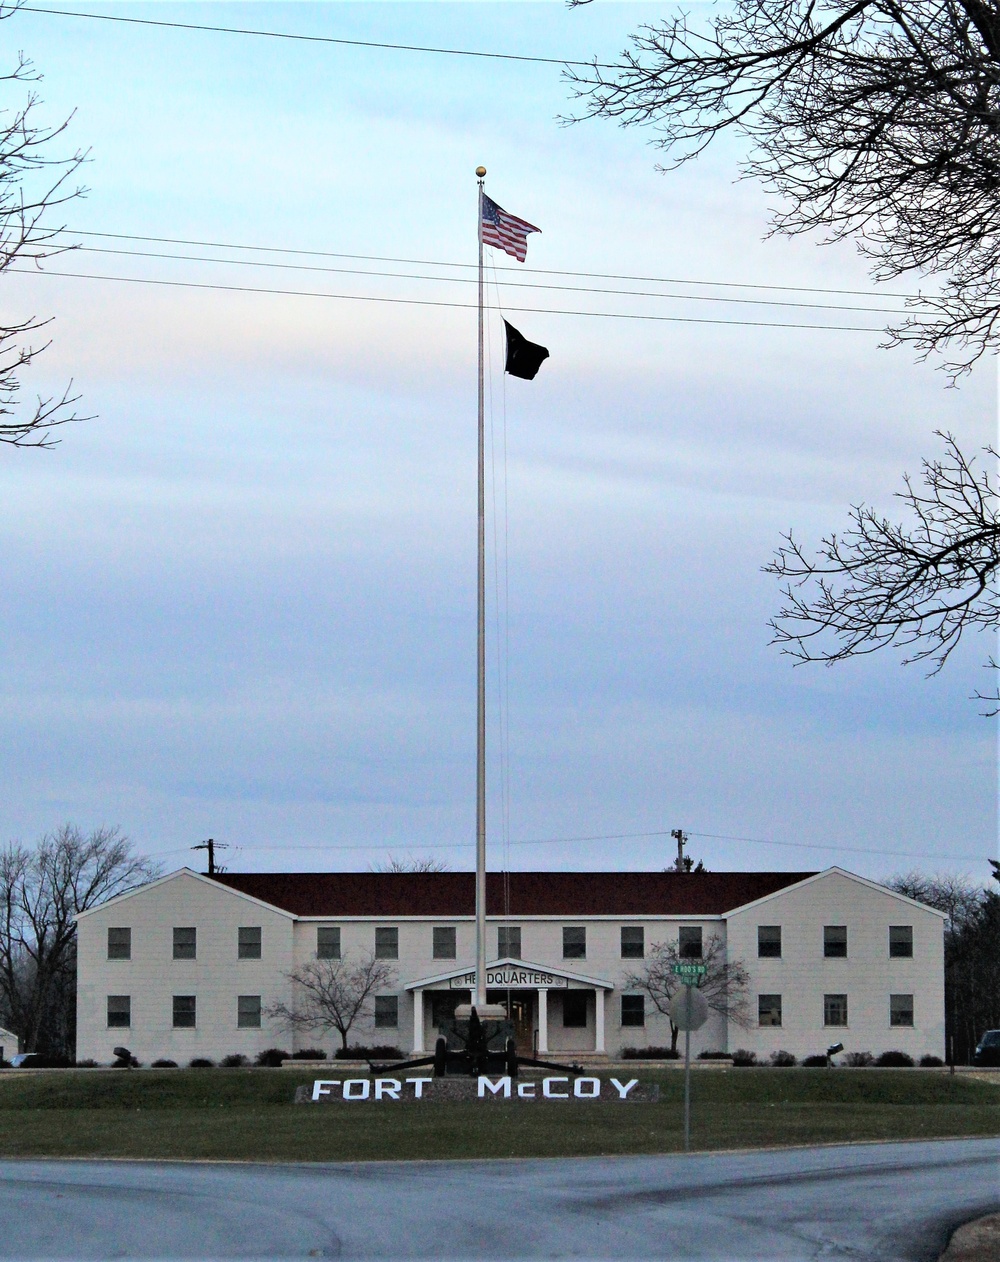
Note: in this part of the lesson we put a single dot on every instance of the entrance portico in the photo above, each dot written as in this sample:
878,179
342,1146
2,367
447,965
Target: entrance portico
530,981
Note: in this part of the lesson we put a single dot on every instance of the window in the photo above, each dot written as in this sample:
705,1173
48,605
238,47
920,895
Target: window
120,1012
386,1012
575,1010
834,1009
509,942
901,1010
769,942
249,942
387,944
119,944
443,1005
185,944
689,942
444,943
769,1010
327,944
248,1012
633,1010
901,942
633,942
574,943
835,941
185,1012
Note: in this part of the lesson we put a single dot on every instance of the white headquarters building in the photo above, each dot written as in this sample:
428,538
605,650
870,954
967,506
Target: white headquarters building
188,965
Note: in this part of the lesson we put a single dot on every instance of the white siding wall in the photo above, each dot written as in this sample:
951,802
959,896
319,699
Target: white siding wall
152,977
867,976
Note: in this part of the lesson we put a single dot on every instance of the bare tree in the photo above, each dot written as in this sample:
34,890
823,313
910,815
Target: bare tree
33,182
42,891
725,983
874,120
392,864
917,586
332,994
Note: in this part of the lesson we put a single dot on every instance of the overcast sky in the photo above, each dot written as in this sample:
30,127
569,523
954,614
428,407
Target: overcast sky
240,601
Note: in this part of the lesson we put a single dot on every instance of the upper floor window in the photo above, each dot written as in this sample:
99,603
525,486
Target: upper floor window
248,947
444,943
387,944
901,942
769,942
185,944
120,1012
689,942
327,943
574,942
633,942
119,944
509,942
835,941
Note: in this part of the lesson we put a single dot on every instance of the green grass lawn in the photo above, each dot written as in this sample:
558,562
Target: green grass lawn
248,1115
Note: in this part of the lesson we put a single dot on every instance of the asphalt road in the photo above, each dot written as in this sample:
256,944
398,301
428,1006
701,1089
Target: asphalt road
877,1203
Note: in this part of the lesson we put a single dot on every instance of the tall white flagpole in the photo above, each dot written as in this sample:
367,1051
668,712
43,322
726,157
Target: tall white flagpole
480,994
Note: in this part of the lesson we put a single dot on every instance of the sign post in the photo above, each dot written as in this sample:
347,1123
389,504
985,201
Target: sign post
689,1011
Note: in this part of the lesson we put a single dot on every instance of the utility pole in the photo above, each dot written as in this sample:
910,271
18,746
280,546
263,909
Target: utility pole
680,837
211,846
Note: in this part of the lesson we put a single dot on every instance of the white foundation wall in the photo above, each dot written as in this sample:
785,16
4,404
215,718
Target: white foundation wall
152,976
868,975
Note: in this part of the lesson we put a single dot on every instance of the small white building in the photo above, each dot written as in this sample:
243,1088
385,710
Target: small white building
8,1044
188,965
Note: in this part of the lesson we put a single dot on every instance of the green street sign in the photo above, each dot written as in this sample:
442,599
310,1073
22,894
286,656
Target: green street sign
690,970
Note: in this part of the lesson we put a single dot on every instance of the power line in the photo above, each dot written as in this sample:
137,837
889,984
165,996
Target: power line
314,39
520,271
470,280
430,302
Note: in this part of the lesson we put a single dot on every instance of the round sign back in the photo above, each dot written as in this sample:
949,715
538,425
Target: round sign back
685,1017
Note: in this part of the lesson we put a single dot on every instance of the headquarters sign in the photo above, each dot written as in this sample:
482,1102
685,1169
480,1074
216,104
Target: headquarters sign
510,978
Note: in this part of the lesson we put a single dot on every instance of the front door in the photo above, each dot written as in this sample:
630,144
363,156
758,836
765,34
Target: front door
521,1011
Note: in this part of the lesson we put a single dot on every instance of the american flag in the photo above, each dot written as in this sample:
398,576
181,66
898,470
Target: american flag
505,231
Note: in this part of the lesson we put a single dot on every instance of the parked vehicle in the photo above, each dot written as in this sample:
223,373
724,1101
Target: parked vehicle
988,1050
30,1060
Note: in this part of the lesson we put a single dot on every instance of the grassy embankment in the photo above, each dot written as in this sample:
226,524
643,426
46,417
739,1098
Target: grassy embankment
248,1115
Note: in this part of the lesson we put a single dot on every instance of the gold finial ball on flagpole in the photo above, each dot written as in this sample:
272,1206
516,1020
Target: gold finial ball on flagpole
480,171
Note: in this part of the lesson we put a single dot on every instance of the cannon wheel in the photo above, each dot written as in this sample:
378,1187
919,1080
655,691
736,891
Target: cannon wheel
510,1057
440,1056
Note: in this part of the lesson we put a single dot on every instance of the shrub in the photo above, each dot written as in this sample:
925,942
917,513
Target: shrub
381,1051
164,1064
714,1056
650,1053
782,1060
235,1061
201,1062
819,1061
742,1058
4,1064
895,1060
309,1053
272,1058
930,1062
87,1064
859,1060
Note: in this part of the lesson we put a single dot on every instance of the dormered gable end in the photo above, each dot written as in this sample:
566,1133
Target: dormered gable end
185,874
848,876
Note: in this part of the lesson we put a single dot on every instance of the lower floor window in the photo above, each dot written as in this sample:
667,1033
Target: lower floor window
900,1009
769,1010
120,1012
248,1012
386,1012
575,1010
185,1012
834,1009
633,1010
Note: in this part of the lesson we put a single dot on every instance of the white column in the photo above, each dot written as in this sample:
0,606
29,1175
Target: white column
543,1020
599,1020
418,1021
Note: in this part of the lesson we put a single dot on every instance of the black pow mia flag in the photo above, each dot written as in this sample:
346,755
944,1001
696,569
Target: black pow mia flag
524,358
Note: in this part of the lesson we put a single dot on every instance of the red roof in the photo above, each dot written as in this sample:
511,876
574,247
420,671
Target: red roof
450,894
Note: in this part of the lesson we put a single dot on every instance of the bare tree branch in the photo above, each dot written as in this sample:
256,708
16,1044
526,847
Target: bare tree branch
332,994
870,119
